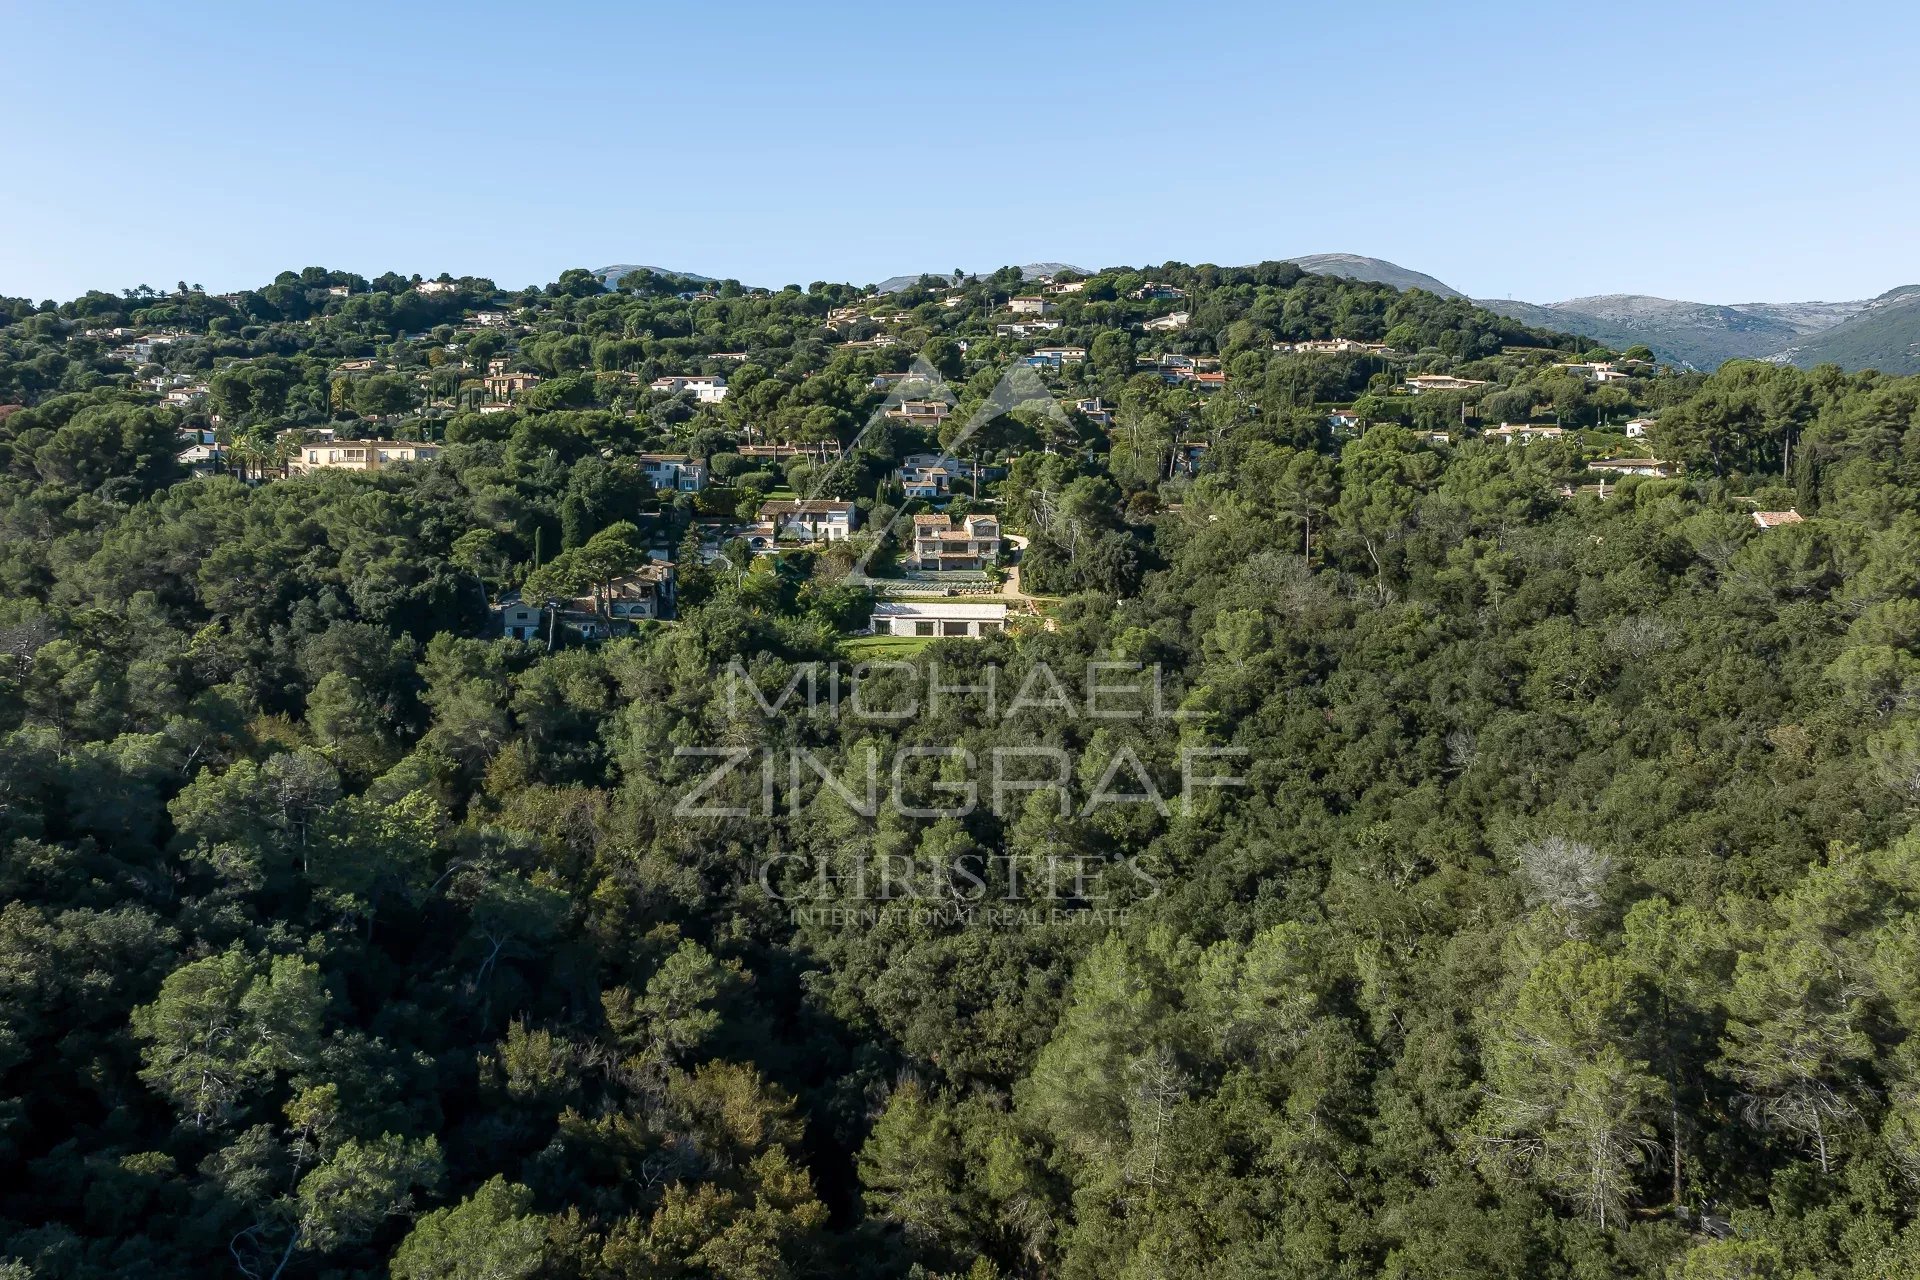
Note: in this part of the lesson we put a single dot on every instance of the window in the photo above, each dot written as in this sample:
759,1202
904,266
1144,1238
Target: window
923,628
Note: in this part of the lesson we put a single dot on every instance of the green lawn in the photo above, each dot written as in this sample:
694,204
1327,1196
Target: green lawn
862,648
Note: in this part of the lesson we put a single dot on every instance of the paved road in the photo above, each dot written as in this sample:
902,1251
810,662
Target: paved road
1012,585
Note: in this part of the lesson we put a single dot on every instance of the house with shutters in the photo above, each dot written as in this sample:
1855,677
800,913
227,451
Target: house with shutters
924,413
973,542
933,475
809,520
645,595
506,386
1440,382
359,455
674,472
707,389
1511,433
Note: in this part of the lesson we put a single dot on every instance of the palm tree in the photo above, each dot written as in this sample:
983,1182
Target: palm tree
252,451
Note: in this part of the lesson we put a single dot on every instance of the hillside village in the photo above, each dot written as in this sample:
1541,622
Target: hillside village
736,423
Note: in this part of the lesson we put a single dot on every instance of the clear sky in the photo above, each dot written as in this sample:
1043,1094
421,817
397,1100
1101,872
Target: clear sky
1721,152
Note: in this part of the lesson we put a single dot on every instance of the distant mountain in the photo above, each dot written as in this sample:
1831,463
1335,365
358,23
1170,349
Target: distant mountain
1805,316
1700,334
618,269
1883,334
1352,266
1694,333
894,284
1878,333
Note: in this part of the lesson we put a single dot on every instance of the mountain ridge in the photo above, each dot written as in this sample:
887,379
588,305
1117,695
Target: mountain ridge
610,275
1354,266
894,284
1882,332
1701,334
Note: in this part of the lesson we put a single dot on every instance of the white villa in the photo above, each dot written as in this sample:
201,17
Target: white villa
938,618
705,389
1524,432
674,472
1633,467
931,475
939,544
1440,382
520,620
809,519
359,455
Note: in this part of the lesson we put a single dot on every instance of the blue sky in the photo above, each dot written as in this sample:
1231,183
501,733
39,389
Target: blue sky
1720,152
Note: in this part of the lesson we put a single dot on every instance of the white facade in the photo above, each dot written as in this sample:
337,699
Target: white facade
360,455
930,475
1632,467
1095,411
202,459
938,618
1440,382
520,620
1523,433
674,472
938,544
809,520
707,390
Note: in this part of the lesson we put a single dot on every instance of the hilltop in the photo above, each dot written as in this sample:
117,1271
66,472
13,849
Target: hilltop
1700,334
613,273
894,284
1353,266
1883,334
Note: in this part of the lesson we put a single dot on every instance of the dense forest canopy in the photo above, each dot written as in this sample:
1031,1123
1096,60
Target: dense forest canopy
1548,902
